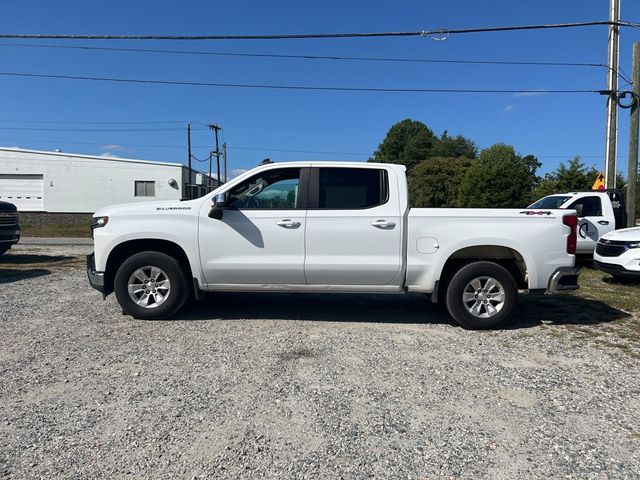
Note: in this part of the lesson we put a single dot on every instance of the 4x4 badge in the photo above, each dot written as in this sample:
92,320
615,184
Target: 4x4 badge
536,212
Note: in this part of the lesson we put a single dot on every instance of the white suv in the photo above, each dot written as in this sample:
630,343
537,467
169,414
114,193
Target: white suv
618,253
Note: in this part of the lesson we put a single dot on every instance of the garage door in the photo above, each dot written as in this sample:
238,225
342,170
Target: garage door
24,191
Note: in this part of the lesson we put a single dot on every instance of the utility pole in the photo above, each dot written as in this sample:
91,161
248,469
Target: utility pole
632,179
209,182
188,185
612,100
224,153
215,127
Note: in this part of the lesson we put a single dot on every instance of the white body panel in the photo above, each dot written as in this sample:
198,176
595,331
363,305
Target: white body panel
590,226
357,247
250,248
175,222
539,239
338,250
629,259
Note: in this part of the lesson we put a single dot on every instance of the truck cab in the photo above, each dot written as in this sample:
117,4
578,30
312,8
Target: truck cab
599,212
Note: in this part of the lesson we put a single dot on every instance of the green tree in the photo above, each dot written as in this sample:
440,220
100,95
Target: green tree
499,178
407,143
574,176
453,147
621,183
436,182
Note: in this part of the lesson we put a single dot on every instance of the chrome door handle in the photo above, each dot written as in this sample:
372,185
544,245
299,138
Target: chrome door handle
288,223
603,222
383,224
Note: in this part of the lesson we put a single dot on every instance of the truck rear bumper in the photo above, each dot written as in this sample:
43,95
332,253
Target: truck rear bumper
564,279
96,279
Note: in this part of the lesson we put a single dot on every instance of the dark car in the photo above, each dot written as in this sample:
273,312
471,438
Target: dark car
9,227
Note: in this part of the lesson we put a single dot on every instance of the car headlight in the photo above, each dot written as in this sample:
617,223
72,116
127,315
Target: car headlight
99,222
633,244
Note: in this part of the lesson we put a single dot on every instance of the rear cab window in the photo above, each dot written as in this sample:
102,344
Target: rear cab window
350,188
591,206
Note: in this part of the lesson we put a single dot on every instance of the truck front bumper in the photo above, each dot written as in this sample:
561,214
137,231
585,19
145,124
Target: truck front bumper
9,234
564,279
616,270
96,279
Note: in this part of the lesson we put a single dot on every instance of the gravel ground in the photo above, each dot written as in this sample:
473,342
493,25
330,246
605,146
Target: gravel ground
306,386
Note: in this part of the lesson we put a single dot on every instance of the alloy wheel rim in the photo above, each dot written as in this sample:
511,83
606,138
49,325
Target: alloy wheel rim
483,297
149,287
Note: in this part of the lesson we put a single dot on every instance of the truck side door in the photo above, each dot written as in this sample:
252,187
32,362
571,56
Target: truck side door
354,227
260,238
592,224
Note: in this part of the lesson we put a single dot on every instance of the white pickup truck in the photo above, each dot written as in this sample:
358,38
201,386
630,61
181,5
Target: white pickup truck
599,212
329,227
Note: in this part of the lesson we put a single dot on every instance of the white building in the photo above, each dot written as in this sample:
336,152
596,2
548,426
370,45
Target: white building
60,182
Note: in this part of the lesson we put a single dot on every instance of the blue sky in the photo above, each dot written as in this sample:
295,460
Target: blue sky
300,125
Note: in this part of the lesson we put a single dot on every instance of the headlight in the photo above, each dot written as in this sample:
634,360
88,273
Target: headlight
99,222
633,244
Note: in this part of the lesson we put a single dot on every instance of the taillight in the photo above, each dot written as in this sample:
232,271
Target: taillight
571,221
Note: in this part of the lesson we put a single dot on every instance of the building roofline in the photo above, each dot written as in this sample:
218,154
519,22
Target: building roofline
93,157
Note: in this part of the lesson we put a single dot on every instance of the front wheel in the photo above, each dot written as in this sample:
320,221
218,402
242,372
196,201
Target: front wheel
4,249
151,285
482,295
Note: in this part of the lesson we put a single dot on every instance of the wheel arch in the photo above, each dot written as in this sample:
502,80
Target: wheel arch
506,256
126,249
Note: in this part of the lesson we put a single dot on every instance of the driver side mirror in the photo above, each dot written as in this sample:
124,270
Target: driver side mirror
219,204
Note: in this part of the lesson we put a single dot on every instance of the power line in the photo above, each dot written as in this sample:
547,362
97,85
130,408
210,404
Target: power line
87,122
291,87
267,149
311,57
164,129
201,160
263,149
621,73
417,33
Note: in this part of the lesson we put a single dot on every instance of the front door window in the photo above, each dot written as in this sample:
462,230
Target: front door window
271,190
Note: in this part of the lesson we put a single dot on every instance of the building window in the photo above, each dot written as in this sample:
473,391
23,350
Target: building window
145,188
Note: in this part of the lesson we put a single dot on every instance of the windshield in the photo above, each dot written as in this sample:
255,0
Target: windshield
552,201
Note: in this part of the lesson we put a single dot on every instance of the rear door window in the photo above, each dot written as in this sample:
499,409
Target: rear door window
352,188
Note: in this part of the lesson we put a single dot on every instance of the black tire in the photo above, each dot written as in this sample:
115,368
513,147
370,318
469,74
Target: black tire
170,270
4,249
492,309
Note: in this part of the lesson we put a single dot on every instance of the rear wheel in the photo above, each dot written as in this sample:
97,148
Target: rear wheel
482,295
151,285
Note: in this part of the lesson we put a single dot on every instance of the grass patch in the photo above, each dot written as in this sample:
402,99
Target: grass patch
604,313
621,294
80,230
22,260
